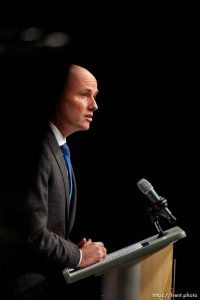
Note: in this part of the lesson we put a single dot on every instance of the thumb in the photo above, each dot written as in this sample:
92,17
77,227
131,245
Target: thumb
82,242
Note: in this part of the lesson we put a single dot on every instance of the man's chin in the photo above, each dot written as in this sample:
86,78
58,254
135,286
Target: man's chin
85,127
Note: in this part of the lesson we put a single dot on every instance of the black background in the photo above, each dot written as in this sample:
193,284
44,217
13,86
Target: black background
145,62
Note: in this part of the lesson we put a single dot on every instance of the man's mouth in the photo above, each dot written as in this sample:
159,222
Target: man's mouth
89,117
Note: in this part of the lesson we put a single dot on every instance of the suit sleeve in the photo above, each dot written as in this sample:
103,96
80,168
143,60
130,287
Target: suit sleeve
46,244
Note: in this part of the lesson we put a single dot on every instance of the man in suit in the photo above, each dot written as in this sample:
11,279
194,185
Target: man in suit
40,248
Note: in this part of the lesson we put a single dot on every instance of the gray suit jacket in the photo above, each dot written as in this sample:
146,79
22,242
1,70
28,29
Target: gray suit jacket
43,249
51,216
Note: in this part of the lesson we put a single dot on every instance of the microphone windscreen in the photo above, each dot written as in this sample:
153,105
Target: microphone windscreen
144,186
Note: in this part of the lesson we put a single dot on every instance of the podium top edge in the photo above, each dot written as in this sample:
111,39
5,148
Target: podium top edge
129,253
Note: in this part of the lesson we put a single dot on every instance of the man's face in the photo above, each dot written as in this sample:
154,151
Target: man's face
76,107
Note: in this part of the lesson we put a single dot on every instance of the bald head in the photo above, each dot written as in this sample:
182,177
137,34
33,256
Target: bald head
77,105
77,74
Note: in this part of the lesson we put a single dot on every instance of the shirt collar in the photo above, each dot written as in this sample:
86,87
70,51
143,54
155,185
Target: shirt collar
58,135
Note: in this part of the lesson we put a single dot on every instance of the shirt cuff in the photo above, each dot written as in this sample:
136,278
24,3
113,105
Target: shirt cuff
80,258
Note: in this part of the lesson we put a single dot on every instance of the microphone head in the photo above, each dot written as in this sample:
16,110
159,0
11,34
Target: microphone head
144,186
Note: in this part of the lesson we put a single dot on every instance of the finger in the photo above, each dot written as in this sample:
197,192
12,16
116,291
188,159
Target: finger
99,244
89,241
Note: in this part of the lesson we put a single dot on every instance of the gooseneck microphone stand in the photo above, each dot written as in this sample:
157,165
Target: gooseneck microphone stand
159,210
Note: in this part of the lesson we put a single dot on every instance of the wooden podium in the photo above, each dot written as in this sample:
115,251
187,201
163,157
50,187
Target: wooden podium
141,271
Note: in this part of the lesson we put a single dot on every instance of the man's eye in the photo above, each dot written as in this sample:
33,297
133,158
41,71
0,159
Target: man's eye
84,94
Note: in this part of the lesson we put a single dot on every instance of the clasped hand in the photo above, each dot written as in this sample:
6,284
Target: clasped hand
92,252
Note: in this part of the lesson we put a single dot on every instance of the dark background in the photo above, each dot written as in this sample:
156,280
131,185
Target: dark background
146,126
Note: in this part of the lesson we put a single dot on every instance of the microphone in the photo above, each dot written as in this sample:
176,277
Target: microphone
147,189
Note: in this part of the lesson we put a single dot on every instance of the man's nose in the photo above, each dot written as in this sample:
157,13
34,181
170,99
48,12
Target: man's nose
93,105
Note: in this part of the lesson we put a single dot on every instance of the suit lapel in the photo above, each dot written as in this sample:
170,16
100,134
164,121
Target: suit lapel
73,203
61,163
70,209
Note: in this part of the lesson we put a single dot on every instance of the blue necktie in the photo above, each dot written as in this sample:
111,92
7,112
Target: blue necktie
66,155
